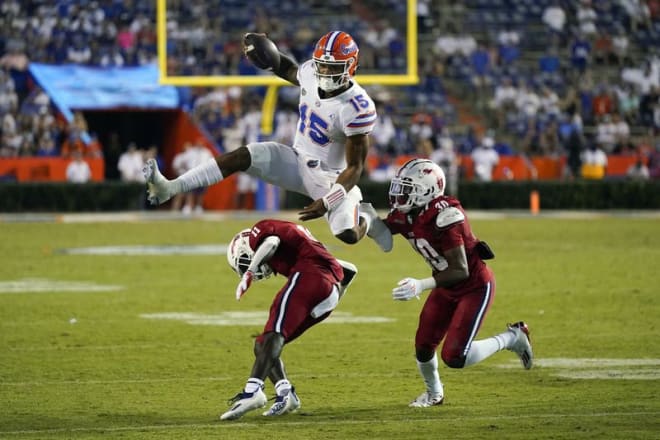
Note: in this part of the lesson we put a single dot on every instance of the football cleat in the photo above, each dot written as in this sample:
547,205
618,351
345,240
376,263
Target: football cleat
522,346
427,399
284,404
158,187
244,402
377,231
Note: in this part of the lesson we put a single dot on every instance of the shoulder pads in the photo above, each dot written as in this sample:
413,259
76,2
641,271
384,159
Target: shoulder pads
448,217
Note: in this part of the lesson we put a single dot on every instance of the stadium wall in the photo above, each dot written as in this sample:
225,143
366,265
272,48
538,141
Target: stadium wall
119,196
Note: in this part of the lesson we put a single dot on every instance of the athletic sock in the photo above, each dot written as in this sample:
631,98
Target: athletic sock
429,372
282,387
480,350
253,384
203,175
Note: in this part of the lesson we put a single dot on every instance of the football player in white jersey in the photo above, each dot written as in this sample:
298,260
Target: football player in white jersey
328,156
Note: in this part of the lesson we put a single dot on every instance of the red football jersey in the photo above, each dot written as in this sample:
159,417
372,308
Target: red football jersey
298,249
431,240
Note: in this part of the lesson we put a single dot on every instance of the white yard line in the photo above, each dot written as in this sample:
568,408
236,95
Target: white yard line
332,422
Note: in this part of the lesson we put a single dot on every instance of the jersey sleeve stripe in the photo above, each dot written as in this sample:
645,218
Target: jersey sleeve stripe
361,124
366,115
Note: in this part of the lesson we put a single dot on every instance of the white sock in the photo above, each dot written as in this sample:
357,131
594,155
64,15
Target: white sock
429,372
282,387
480,350
253,384
202,175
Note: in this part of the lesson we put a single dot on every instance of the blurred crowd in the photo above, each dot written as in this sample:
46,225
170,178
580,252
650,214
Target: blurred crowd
501,77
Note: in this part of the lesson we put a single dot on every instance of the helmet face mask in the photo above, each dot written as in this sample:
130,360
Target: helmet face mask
415,184
335,60
239,256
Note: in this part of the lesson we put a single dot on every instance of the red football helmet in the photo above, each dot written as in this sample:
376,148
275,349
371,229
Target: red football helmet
335,60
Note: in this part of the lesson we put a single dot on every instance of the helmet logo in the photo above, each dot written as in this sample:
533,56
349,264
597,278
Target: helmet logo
347,49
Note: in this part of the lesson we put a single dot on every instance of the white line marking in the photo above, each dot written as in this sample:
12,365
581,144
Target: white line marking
43,285
202,249
332,422
252,318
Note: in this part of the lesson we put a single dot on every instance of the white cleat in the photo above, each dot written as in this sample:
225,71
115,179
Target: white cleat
378,231
427,399
522,346
284,404
244,402
158,187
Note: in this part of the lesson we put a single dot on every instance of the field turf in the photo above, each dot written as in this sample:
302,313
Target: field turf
152,346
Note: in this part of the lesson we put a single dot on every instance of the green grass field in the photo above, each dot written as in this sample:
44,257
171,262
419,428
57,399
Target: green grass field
132,346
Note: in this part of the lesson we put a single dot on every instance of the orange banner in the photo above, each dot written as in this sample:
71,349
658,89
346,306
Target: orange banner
44,169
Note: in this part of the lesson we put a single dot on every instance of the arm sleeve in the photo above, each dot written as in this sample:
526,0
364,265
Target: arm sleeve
263,253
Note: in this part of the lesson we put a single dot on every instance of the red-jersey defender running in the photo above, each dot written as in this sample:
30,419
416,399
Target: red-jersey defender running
462,285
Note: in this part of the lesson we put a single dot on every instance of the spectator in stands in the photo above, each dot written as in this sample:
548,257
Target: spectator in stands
484,158
504,100
620,47
421,133
638,171
528,101
637,13
622,142
649,105
602,103
627,102
580,53
594,162
606,134
130,164
555,18
549,102
549,144
481,63
78,171
574,146
46,146
384,131
586,17
603,48
445,156
73,143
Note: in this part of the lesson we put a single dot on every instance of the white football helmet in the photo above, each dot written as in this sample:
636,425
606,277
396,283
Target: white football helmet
239,256
415,184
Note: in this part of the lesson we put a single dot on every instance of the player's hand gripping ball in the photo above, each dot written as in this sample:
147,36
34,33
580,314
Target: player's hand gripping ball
261,51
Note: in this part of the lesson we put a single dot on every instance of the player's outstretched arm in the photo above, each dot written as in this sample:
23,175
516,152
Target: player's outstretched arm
264,54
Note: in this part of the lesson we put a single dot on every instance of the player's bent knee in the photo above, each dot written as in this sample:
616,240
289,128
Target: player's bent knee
424,354
348,236
454,361
237,160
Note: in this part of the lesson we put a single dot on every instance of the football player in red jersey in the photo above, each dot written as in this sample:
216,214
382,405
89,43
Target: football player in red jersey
462,285
316,281
327,158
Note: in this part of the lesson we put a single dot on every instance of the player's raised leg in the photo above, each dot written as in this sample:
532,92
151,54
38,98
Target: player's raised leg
160,189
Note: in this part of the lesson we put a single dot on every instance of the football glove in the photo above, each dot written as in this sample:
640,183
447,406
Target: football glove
244,284
407,289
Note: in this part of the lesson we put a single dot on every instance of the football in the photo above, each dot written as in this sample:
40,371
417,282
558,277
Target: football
261,51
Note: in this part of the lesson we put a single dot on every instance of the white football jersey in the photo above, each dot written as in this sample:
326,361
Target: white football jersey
324,124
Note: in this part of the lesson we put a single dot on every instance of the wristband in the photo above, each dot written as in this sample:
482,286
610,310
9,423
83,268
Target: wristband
334,197
428,283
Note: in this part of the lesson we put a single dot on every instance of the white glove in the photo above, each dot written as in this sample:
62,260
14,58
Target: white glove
407,289
244,284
